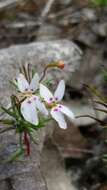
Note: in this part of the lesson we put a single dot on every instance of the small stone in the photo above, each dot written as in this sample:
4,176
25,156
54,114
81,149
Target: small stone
87,37
100,29
89,14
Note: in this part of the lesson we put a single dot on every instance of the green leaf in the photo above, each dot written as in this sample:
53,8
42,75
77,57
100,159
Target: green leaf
93,90
105,156
13,83
7,121
104,75
34,70
15,106
99,2
48,81
32,138
8,111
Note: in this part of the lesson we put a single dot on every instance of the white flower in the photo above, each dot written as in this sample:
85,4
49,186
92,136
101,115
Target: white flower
57,109
32,102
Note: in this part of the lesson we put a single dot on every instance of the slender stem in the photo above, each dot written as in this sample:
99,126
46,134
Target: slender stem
98,120
28,70
101,110
47,8
27,143
80,150
21,70
25,72
91,98
32,139
44,73
102,103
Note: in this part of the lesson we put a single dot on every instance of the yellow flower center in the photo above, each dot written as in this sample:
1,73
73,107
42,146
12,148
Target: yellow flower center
50,105
25,94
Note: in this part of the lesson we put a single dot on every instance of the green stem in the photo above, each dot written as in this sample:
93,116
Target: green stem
32,139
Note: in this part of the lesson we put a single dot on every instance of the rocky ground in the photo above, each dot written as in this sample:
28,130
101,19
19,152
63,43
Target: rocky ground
75,31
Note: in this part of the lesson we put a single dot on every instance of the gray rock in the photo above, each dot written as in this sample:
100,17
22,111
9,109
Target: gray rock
48,32
38,54
69,140
7,3
100,29
23,173
89,14
53,168
26,173
63,2
87,37
4,185
89,71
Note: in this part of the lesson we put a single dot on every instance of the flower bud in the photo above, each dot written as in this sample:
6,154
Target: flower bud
60,64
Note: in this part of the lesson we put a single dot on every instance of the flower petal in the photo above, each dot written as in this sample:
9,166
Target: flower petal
22,83
57,115
59,93
34,82
46,94
40,106
66,111
29,112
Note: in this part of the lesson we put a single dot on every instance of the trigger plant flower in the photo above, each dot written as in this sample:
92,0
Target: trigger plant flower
31,103
52,102
33,97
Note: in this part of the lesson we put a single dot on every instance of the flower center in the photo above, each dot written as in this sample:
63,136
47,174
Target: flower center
27,93
50,105
53,101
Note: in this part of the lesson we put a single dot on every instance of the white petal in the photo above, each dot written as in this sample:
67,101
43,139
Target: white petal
34,82
66,111
57,115
46,94
22,83
40,106
28,110
59,93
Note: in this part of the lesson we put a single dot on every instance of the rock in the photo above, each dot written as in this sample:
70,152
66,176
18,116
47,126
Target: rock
23,173
100,29
65,3
26,173
48,32
7,3
89,71
53,169
38,54
89,14
69,142
4,185
87,37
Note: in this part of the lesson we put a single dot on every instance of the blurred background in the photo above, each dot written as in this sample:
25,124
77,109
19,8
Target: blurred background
70,159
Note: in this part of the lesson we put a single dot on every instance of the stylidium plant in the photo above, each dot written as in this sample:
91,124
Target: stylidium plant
33,106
